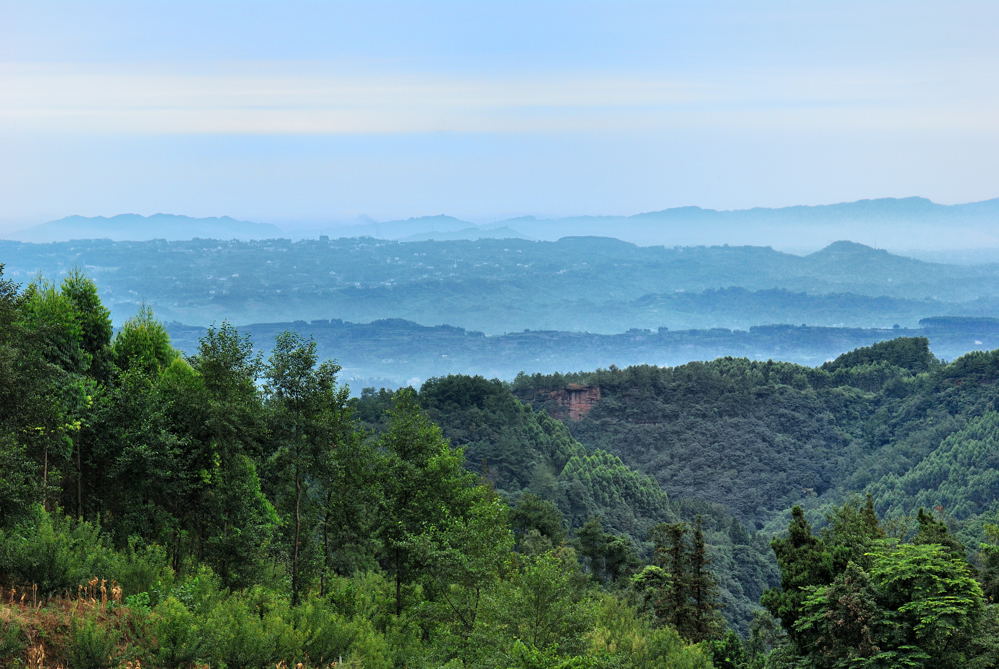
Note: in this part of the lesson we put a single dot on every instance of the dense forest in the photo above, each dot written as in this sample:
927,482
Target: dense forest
227,509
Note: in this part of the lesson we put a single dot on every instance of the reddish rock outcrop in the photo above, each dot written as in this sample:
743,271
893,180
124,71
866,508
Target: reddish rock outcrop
575,401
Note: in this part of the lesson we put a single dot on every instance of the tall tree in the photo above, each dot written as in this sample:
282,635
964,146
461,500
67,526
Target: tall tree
705,620
309,418
95,322
238,521
672,556
804,561
425,485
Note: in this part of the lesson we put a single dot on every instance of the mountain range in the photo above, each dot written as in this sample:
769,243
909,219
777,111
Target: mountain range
911,224
135,227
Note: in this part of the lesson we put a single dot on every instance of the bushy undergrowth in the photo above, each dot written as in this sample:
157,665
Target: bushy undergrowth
58,553
543,615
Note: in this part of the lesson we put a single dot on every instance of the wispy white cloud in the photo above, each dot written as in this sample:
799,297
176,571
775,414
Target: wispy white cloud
266,98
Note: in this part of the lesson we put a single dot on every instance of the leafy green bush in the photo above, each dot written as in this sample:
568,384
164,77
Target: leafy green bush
241,635
92,645
326,635
142,568
12,639
53,551
200,591
177,634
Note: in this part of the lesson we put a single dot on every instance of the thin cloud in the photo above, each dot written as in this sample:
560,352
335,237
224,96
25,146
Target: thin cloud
257,99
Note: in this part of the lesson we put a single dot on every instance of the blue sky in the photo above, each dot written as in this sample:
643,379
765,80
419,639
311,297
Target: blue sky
315,111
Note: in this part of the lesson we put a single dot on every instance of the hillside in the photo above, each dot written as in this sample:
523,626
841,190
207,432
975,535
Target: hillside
758,437
232,509
580,283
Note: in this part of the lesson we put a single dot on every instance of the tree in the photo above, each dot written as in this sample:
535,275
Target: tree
851,532
465,559
680,589
608,556
425,485
308,415
672,557
705,622
913,605
539,605
54,356
143,344
843,622
933,531
236,520
989,562
931,600
541,515
94,320
803,561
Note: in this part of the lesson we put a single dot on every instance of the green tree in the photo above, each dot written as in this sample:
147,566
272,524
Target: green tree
933,531
540,605
540,515
235,521
931,600
425,484
705,621
94,320
804,561
142,343
843,623
308,414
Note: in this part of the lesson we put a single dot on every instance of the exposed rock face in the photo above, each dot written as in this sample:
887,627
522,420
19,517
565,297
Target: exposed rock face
575,401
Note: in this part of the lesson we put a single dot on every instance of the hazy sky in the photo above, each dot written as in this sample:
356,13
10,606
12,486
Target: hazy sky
297,110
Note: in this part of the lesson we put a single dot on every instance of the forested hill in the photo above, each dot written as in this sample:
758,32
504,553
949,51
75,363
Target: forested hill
758,437
577,283
395,352
225,509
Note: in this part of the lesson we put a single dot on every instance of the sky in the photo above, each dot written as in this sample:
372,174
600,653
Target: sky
298,111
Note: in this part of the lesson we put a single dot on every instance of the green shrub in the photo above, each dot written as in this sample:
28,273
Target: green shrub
92,645
176,634
52,551
241,636
142,568
201,591
12,640
326,635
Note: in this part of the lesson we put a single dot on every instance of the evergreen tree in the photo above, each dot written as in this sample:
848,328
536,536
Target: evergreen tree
705,622
804,561
933,531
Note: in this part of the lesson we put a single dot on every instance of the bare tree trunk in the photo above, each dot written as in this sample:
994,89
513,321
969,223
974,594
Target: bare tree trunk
45,477
79,482
295,585
326,545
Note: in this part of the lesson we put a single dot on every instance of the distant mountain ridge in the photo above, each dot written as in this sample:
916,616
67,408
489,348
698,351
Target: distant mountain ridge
901,224
897,223
905,224
138,228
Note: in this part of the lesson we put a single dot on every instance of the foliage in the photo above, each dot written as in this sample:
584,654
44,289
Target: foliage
914,604
92,644
225,510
